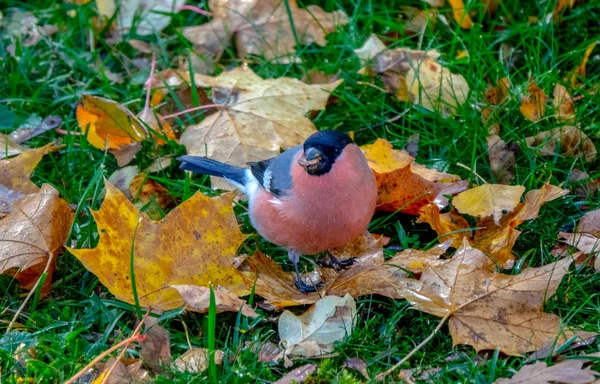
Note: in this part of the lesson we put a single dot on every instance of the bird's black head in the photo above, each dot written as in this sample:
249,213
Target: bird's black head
321,150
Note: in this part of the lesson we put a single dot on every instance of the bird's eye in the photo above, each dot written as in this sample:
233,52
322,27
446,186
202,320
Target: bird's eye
337,151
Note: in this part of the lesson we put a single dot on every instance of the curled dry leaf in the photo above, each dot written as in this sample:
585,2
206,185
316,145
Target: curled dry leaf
489,200
155,349
122,177
146,191
358,365
298,375
498,239
262,27
420,185
564,106
580,71
566,372
257,117
582,185
418,20
444,224
587,236
491,310
502,159
533,107
415,76
32,235
329,320
198,299
195,360
573,143
194,244
495,96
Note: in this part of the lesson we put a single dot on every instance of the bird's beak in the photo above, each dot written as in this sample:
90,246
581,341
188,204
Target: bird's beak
311,159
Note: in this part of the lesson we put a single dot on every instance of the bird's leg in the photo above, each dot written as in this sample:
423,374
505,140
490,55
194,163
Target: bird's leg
337,264
294,257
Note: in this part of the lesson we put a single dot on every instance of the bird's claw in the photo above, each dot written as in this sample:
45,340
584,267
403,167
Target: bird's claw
338,264
305,288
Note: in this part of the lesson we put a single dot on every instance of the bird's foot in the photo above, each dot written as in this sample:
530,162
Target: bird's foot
336,263
305,288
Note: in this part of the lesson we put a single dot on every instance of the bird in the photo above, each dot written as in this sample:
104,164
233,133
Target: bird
310,198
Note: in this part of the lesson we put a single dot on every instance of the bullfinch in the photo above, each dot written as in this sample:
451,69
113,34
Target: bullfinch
309,199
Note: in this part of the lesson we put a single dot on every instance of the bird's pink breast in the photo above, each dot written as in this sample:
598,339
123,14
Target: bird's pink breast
321,212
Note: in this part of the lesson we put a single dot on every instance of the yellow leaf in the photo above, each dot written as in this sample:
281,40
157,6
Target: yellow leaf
489,200
107,123
533,107
257,117
262,27
15,172
580,71
460,16
193,245
490,310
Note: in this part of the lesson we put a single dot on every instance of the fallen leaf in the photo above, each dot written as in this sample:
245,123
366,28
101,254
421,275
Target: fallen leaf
491,310
502,159
122,177
194,244
125,153
590,223
195,360
586,237
108,124
460,16
533,107
498,239
445,223
257,117
146,191
33,127
489,200
418,20
562,5
329,320
198,299
155,349
495,96
297,375
416,76
564,106
412,145
150,16
7,198
32,235
8,147
15,173
580,71
263,28
573,143
582,185
566,372
358,365
121,374
315,76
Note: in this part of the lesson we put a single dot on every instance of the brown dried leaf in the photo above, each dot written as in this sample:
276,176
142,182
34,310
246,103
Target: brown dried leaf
495,96
582,185
566,372
8,147
263,28
33,234
573,143
445,223
146,190
358,365
590,223
198,299
297,375
502,159
196,360
580,71
564,106
533,107
418,20
491,310
156,349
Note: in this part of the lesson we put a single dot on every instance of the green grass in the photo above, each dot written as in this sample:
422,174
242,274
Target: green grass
80,319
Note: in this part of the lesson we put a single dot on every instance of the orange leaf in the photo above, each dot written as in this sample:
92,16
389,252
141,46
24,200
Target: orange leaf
533,107
580,71
460,16
445,223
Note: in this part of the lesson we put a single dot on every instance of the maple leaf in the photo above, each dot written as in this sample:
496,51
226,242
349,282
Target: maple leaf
33,234
262,27
490,310
445,223
488,200
257,117
415,76
420,185
573,143
193,245
566,372
15,173
564,106
533,107
498,239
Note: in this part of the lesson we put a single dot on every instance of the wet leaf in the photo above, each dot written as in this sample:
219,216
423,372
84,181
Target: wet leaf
33,234
415,76
573,143
257,117
533,107
34,127
490,310
263,28
193,245
566,372
489,200
329,320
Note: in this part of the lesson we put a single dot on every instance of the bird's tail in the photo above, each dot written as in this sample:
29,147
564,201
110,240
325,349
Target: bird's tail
211,167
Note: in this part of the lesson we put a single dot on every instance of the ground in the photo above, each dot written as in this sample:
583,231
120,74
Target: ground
80,319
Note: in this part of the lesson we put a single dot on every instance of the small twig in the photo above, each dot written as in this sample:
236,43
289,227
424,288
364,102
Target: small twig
581,97
194,9
31,293
187,336
208,106
372,86
382,375
469,169
133,338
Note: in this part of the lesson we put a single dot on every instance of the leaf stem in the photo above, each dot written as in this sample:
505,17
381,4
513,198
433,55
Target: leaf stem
208,106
